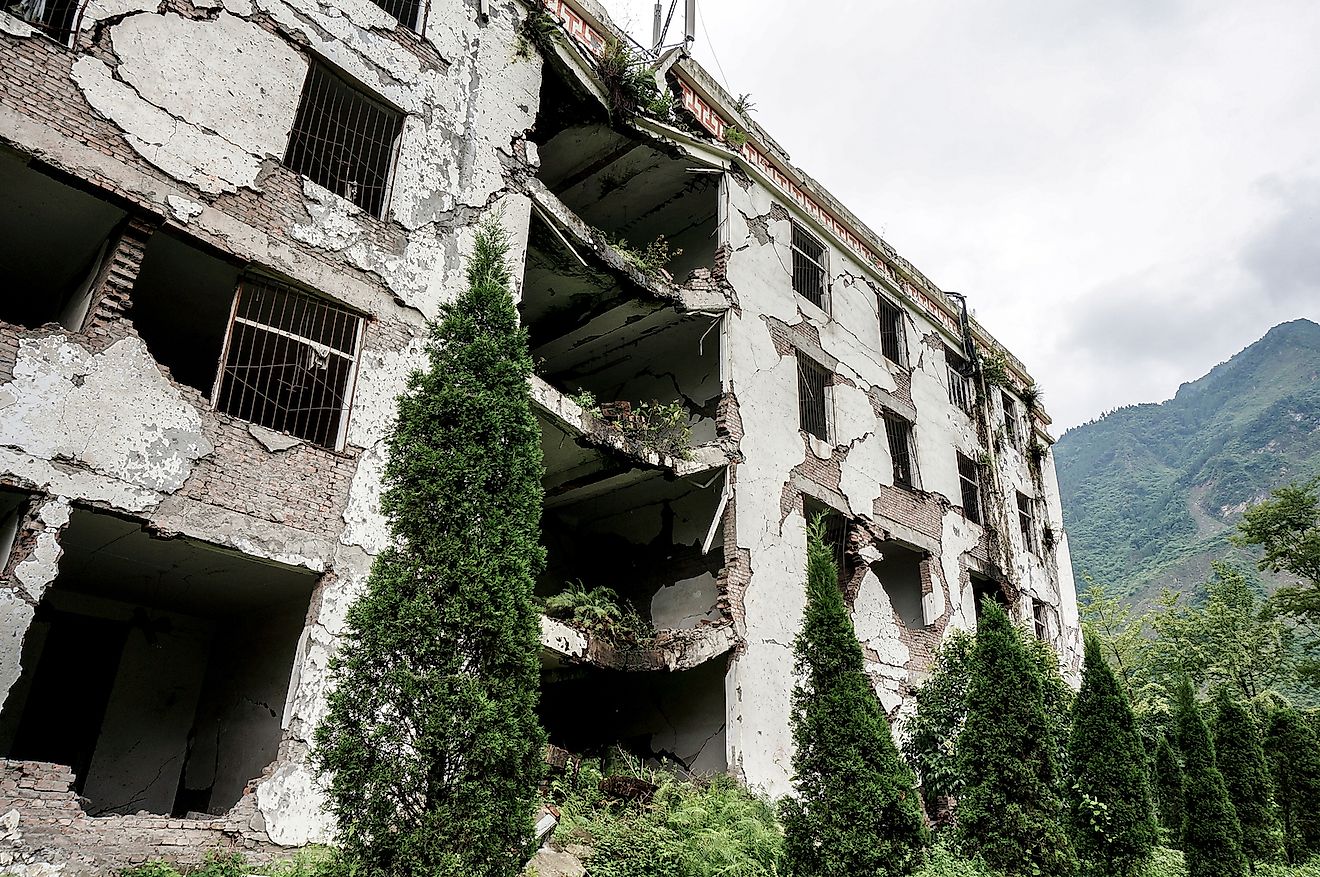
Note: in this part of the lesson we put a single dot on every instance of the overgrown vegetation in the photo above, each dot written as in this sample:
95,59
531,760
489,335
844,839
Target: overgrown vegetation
651,258
1240,758
599,611
1211,835
630,86
856,807
431,747
541,31
735,137
1294,755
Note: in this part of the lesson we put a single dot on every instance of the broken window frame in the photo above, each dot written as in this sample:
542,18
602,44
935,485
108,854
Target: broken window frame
221,402
805,265
961,392
55,19
899,431
836,532
969,479
1012,424
892,336
1040,619
303,158
814,380
1027,523
391,8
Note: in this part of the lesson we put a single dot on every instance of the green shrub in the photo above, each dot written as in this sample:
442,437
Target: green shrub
941,861
1241,759
431,744
856,808
598,611
1294,756
933,730
1110,804
153,868
1010,813
1169,788
1211,836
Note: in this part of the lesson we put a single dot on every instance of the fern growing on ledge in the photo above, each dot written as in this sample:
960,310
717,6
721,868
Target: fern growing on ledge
431,744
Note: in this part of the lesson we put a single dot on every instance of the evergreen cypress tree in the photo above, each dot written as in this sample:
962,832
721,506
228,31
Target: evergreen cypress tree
1241,760
1294,756
1212,838
431,743
1010,812
1113,818
857,810
1169,789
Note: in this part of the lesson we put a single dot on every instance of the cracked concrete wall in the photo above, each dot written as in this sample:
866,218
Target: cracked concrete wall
852,471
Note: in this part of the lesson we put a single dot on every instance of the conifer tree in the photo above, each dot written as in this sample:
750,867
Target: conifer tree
856,810
431,744
1011,811
1113,819
1211,836
1294,756
1241,760
1169,789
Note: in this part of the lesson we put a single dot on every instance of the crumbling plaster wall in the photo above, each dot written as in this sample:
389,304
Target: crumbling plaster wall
185,110
853,471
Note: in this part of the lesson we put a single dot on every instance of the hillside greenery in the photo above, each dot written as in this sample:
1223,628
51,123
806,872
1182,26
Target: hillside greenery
1151,493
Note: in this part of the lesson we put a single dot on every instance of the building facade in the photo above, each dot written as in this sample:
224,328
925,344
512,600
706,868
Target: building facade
226,225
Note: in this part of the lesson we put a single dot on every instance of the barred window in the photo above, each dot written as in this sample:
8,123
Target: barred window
900,449
891,331
1012,427
836,532
1027,522
808,266
960,381
290,361
1040,616
56,18
969,478
813,397
405,11
343,139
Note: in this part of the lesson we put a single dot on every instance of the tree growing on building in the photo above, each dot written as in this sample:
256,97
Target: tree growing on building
1293,752
1241,760
1211,836
1011,811
856,808
1109,802
431,744
1169,790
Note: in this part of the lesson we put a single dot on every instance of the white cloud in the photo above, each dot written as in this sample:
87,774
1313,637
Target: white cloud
1127,192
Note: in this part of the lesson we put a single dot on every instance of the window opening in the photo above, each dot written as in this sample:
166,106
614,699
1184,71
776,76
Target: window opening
343,139
404,11
1027,522
1040,617
290,361
55,18
969,477
984,588
960,381
1012,428
836,532
808,266
813,384
891,331
900,449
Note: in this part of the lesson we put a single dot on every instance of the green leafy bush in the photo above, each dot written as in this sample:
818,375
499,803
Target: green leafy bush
599,611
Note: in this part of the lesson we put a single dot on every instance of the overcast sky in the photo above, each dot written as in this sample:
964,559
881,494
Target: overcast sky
1127,191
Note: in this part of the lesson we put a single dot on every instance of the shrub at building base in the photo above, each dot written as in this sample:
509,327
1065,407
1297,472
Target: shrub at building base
856,808
431,744
1211,836
1010,813
1241,761
1169,789
1294,757
1110,804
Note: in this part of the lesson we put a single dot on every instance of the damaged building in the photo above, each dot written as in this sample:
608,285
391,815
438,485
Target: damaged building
224,225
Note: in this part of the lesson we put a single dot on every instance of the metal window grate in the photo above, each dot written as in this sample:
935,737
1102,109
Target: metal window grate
891,331
55,18
1012,429
1027,522
969,477
808,266
343,139
1040,616
836,532
405,11
290,361
900,449
813,409
960,381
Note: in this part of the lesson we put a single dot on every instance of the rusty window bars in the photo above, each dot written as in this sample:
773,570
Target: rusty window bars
813,397
899,432
808,266
891,331
969,478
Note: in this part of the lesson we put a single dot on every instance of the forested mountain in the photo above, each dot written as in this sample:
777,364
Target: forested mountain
1151,492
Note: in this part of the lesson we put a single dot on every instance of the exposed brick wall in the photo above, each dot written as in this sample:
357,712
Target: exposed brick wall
51,822
113,287
921,511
